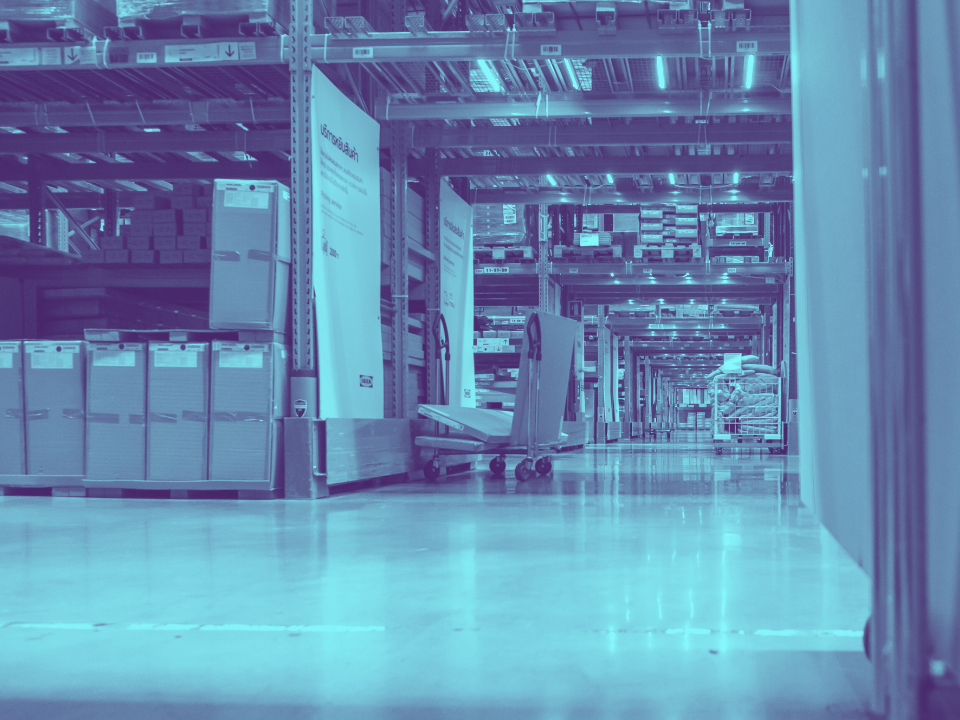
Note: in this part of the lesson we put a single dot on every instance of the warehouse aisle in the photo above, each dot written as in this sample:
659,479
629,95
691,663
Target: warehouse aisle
642,582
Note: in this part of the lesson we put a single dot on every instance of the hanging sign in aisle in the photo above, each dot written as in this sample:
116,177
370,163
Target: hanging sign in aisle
346,256
456,293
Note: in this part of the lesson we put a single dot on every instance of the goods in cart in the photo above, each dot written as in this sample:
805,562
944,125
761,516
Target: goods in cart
747,402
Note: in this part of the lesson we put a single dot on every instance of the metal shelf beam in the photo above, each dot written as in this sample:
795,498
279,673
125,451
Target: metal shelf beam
634,39
49,171
567,105
139,142
158,112
610,196
590,165
597,135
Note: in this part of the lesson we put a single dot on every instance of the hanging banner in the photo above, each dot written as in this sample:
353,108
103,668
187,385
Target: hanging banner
346,255
456,293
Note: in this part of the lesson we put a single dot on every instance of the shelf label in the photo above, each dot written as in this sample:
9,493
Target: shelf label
495,270
50,56
208,52
146,57
19,56
362,53
550,50
747,46
72,55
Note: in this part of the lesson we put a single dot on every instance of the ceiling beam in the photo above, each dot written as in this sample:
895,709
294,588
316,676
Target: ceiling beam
583,106
634,38
50,171
141,142
591,165
158,112
601,135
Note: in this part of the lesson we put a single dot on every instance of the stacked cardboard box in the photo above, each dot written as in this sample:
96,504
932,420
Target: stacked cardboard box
250,275
668,233
116,435
53,385
249,398
13,458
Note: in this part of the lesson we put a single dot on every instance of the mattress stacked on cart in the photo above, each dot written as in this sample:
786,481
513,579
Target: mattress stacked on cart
750,399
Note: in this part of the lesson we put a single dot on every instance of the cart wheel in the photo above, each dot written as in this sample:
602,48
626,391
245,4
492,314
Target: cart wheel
498,466
719,450
866,639
524,470
544,465
432,470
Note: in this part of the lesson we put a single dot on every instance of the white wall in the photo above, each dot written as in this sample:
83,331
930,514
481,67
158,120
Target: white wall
830,126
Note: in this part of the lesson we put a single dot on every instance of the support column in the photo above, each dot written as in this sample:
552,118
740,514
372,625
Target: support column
399,280
432,275
111,212
36,213
303,477
543,266
602,371
899,625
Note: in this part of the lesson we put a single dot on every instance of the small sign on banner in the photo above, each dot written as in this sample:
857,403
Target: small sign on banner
366,381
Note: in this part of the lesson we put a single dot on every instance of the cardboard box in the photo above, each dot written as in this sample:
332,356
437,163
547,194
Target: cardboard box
96,257
204,202
148,201
117,256
183,202
248,400
199,215
53,381
171,257
196,256
190,242
178,386
116,430
141,217
143,257
140,242
112,242
168,228
187,189
13,451
138,229
167,216
165,242
250,274
195,228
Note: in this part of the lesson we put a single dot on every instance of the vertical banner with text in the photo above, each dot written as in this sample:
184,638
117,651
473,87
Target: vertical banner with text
346,257
456,293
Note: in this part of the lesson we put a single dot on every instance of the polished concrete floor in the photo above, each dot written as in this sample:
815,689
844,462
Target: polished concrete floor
650,580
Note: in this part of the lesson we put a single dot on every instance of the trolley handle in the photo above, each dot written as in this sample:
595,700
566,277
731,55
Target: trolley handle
535,351
443,341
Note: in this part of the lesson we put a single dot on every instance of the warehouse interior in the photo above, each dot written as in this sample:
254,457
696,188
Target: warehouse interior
479,358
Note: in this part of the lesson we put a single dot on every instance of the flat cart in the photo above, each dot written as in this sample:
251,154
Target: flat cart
747,412
533,429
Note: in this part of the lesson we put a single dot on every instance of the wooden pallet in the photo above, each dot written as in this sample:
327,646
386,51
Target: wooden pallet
149,494
182,336
510,254
576,253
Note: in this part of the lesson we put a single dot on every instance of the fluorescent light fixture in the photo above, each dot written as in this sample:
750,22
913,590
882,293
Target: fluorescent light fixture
661,73
551,180
736,178
673,179
486,67
574,80
151,129
610,179
748,73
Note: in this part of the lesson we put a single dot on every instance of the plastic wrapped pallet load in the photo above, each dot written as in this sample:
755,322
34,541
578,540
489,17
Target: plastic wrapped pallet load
90,15
256,10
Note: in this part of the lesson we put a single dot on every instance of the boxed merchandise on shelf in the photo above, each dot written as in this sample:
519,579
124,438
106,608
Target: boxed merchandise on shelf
116,431
278,11
250,275
178,411
248,401
53,391
13,459
76,19
498,224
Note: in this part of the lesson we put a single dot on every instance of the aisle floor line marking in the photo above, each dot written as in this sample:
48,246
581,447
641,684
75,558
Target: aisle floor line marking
234,627
171,627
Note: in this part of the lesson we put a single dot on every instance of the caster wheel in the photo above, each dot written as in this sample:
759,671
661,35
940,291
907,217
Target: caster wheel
498,466
719,451
544,466
432,471
866,639
524,471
